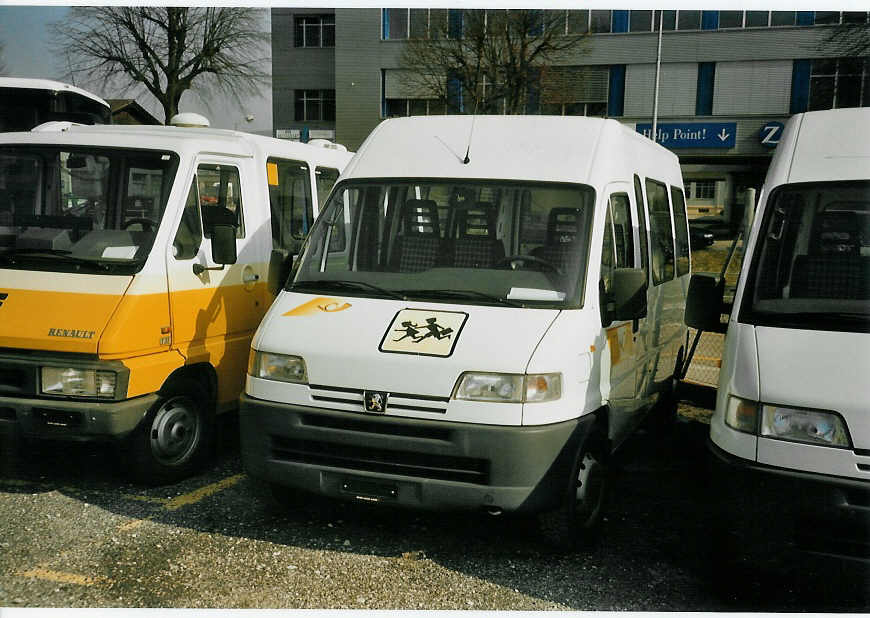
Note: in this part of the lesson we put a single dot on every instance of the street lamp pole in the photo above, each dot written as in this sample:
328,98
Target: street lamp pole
658,73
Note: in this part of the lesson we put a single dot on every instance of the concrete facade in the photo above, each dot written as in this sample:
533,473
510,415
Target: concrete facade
751,86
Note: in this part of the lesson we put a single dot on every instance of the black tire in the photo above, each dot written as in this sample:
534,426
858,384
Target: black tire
576,523
175,436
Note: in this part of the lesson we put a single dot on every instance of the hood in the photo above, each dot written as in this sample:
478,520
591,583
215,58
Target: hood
818,369
58,312
400,346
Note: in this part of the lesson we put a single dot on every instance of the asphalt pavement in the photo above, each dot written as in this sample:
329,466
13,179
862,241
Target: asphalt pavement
75,532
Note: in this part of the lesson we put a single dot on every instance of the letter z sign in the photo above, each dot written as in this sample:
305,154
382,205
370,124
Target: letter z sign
770,133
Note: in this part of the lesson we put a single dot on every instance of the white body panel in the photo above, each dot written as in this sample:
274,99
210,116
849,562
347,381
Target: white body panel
803,368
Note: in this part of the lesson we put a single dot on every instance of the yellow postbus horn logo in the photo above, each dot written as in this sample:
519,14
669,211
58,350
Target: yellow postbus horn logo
319,304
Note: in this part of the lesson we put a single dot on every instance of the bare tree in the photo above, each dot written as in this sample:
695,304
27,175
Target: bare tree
167,50
497,57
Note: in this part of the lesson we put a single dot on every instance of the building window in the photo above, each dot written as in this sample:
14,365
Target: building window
839,82
315,31
599,21
640,21
578,22
757,19
598,108
827,17
413,107
689,20
701,189
783,18
668,19
730,19
315,105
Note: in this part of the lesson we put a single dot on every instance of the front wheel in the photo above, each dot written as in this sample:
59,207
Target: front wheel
175,435
575,523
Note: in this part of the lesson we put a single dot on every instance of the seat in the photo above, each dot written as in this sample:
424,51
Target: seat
474,244
419,245
562,247
841,276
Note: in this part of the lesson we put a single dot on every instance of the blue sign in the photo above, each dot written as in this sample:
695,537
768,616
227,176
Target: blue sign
692,134
770,133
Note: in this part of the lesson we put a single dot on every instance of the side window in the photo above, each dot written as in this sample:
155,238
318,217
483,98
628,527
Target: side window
681,229
641,225
220,197
189,234
290,202
622,233
608,253
325,177
661,236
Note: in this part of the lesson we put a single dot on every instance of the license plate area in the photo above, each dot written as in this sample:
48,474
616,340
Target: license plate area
369,490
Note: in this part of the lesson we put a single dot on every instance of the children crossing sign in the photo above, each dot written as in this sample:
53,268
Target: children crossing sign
692,134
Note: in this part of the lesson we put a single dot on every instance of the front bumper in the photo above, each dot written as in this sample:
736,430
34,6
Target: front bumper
831,515
409,462
79,421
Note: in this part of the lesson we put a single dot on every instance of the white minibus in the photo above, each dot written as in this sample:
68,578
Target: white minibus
135,265
485,309
793,398
26,103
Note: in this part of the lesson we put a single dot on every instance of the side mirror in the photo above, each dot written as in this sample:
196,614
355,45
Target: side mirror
279,269
628,294
704,302
223,244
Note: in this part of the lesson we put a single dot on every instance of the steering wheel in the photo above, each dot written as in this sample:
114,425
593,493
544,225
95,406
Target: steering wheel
148,225
508,261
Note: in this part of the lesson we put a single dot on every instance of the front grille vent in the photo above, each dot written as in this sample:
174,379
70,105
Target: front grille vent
353,399
385,461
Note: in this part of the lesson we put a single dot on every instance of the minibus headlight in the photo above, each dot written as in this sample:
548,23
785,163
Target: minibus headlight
810,426
281,367
78,382
508,387
742,415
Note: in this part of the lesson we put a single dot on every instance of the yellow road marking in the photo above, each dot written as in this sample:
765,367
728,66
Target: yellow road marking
203,492
151,499
64,578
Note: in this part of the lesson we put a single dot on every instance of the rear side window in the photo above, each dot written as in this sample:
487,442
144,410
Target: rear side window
661,236
681,231
290,202
325,177
641,225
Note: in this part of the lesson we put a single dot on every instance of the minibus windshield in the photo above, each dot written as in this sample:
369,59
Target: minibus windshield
811,268
81,209
455,241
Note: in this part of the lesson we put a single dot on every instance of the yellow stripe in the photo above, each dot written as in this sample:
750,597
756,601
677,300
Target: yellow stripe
203,492
64,578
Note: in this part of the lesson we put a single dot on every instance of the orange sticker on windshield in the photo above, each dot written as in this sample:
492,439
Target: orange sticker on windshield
319,305
272,173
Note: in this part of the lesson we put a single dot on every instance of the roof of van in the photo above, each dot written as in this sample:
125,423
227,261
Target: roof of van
180,139
824,145
47,84
540,148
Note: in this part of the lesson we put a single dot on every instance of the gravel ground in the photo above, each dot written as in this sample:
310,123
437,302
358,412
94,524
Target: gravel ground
73,532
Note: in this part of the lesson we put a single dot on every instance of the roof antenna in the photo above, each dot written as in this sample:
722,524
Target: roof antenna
470,133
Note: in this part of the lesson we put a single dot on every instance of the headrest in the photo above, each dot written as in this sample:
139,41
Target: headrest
421,218
477,220
562,224
837,232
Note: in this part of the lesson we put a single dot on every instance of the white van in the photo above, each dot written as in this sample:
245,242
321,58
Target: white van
479,317
793,395
135,264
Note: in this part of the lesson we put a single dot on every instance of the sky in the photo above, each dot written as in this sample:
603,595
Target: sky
24,31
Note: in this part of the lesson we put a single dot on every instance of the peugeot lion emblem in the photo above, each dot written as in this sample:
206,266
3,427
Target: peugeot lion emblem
375,401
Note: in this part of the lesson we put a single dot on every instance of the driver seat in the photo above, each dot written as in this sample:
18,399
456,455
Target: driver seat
562,247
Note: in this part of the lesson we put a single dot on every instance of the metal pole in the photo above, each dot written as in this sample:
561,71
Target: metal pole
658,71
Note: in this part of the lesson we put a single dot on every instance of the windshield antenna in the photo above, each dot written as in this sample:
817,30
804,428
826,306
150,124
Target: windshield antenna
470,133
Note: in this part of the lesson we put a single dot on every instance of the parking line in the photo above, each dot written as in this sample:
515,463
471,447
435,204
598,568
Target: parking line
150,499
203,492
64,578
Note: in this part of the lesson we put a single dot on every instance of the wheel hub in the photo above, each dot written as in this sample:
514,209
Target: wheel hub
175,431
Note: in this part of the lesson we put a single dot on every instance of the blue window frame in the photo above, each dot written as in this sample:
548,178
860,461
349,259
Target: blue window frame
800,86
704,94
454,23
620,21
709,20
616,91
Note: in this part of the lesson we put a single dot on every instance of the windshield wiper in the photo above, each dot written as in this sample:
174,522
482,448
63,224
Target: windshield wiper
344,284
442,294
61,254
